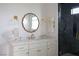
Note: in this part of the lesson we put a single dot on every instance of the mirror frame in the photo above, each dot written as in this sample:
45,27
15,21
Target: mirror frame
23,25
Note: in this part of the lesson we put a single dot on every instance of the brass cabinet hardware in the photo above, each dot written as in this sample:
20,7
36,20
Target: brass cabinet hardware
39,50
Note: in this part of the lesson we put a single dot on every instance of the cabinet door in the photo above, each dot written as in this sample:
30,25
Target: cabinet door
20,47
38,52
37,44
52,47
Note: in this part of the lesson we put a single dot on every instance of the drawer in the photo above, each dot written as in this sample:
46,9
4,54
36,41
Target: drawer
21,53
19,43
54,46
38,45
38,41
52,42
20,48
38,52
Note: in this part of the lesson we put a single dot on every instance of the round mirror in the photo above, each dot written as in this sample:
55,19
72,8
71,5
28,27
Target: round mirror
30,22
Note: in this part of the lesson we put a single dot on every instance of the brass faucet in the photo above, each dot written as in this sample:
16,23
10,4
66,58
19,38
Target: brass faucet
32,36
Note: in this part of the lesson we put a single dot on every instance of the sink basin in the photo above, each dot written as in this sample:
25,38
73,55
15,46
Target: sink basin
31,37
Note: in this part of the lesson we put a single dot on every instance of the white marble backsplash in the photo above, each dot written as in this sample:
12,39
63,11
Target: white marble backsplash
13,35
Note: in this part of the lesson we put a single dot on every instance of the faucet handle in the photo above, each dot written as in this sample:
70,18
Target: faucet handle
32,35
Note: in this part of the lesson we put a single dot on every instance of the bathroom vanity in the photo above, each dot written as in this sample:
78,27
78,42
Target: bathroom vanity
41,46
35,47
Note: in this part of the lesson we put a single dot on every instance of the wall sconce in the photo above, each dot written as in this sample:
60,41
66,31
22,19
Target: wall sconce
15,20
53,23
15,17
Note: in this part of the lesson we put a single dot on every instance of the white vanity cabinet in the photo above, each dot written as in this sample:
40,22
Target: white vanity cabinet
40,47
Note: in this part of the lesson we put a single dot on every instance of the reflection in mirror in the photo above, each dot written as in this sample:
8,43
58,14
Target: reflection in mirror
30,22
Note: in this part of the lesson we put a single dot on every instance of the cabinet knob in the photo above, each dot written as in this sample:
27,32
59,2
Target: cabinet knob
39,50
27,52
48,48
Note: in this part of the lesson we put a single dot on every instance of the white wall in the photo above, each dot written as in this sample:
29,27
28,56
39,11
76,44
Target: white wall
7,11
50,11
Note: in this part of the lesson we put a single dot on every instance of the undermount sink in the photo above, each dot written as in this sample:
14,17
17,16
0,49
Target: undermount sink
31,37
